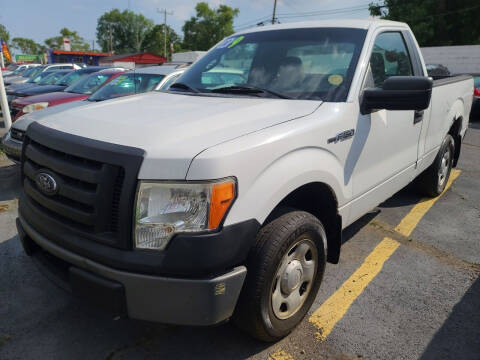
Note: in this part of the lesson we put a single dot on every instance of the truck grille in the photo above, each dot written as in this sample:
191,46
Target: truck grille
92,187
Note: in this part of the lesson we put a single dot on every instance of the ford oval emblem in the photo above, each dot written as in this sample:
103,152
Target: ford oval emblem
46,183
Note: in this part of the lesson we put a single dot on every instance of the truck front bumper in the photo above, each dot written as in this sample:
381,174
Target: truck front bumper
170,300
12,148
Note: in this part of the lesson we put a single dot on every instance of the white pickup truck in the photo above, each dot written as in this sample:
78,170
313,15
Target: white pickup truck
225,196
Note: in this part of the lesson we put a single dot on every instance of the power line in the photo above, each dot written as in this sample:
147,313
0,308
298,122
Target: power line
253,22
325,12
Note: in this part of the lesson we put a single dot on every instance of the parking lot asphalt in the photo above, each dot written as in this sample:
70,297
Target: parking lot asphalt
407,287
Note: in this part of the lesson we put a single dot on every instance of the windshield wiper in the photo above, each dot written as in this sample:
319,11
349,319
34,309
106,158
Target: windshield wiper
184,86
249,89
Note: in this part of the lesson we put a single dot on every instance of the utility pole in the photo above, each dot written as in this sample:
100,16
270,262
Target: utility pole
274,11
7,121
110,31
165,13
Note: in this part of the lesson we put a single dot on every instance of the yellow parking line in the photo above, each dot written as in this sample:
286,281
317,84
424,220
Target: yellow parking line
331,311
280,355
409,222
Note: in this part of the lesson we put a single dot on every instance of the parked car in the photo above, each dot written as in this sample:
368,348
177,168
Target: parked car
23,77
79,90
138,81
235,194
38,69
20,70
475,114
60,85
33,81
52,77
156,78
9,69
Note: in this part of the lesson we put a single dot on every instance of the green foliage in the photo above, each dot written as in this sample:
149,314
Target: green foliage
208,27
154,40
435,22
77,43
128,31
4,34
27,46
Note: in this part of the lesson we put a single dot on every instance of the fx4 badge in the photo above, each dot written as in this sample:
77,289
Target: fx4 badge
342,136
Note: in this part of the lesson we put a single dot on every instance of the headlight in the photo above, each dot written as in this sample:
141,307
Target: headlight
165,209
34,107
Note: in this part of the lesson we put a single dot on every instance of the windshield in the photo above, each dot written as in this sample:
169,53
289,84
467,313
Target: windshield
20,70
69,79
127,84
39,77
309,63
51,78
29,72
88,84
36,70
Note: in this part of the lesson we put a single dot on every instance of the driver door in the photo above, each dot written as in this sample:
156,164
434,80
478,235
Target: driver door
387,141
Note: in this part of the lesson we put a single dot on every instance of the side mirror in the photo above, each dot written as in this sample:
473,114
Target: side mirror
399,93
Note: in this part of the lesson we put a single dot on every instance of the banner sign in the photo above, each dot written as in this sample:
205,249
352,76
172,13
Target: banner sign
29,58
6,52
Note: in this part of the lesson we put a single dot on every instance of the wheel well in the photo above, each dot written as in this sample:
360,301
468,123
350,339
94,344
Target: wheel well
319,200
455,133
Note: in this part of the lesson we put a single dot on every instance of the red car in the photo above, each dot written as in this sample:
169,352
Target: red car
79,90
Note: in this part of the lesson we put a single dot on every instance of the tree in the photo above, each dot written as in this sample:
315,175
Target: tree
77,43
208,27
126,31
4,34
434,22
154,40
27,46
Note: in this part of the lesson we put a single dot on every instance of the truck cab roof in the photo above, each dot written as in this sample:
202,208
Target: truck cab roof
341,23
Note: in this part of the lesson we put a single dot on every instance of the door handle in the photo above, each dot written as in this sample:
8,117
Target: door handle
418,116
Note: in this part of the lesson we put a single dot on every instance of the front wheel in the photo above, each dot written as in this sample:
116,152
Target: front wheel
285,269
434,180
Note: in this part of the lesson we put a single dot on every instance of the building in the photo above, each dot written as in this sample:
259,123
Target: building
187,56
464,59
76,57
131,61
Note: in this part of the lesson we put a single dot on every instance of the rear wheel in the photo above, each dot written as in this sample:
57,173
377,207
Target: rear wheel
434,180
285,269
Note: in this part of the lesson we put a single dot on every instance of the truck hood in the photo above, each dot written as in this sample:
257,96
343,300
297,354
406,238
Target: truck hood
174,128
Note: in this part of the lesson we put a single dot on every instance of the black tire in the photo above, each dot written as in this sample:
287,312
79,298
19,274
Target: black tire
430,182
254,312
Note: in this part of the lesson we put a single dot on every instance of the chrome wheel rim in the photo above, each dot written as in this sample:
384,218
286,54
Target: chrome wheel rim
444,168
293,279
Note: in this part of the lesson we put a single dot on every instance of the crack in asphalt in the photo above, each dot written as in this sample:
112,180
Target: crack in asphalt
445,257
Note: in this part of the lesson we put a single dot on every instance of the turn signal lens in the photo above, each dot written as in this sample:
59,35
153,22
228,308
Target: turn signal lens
221,198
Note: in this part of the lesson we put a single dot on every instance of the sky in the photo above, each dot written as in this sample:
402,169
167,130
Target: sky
41,19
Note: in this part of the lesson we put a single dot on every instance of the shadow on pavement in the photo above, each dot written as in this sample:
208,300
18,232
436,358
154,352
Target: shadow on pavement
459,337
37,317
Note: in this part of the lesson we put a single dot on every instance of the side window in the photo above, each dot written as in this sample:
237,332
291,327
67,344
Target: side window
389,58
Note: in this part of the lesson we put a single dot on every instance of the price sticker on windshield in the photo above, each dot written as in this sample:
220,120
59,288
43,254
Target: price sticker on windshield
335,80
230,42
